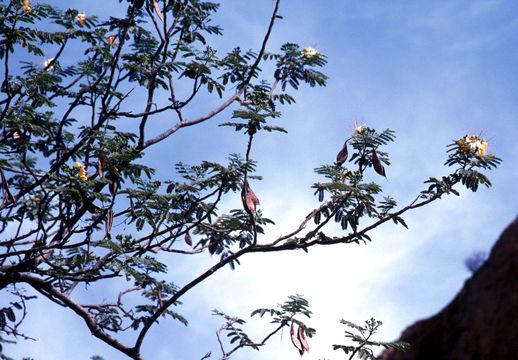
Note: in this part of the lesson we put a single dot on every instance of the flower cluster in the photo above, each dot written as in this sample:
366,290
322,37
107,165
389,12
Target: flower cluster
26,6
358,129
310,52
81,18
473,144
81,171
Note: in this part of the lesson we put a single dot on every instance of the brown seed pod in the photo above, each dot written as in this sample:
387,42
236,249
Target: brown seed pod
7,196
132,208
342,155
378,166
294,334
100,171
109,220
114,187
158,11
188,239
303,340
251,199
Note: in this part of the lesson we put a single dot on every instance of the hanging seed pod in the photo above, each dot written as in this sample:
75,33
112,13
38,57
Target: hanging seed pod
114,187
188,239
303,341
109,220
132,208
342,155
158,11
100,168
294,334
7,196
251,199
378,166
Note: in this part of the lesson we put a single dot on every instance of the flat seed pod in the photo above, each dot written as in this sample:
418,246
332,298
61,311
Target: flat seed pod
132,208
303,340
114,186
158,11
294,334
5,186
188,239
109,220
378,166
251,199
100,172
342,155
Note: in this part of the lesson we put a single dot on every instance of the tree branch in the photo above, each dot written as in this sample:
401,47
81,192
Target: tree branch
52,293
233,98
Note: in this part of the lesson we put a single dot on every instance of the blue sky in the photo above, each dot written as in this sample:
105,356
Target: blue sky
433,72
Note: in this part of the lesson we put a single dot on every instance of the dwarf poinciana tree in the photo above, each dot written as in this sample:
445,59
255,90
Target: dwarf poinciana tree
71,167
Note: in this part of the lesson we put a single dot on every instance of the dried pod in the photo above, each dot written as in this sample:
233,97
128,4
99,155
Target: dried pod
303,340
16,135
132,208
378,166
100,168
158,11
294,334
188,239
114,187
109,220
250,198
7,196
342,155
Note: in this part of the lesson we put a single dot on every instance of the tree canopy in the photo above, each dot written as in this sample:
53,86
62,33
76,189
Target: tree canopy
81,205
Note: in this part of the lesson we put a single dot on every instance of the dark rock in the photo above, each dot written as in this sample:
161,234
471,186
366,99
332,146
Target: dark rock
482,320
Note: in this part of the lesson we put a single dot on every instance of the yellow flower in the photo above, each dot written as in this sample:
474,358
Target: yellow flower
81,18
81,171
482,149
358,129
473,144
310,52
26,6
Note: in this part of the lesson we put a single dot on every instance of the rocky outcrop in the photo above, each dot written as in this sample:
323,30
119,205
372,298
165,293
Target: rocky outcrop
482,320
